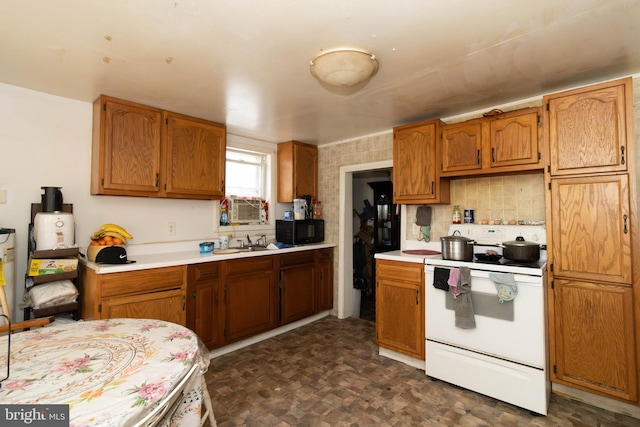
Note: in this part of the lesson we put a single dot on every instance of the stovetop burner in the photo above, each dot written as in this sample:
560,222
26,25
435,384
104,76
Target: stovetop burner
508,262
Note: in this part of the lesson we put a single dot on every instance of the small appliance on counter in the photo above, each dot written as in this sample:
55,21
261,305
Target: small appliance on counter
53,228
298,232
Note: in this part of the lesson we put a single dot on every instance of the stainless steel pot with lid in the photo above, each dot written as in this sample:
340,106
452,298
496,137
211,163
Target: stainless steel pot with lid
521,250
457,247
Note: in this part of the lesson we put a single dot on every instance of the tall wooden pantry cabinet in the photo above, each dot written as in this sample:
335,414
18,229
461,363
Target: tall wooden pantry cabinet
593,240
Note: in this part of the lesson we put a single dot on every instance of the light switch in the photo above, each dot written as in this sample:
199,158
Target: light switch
3,197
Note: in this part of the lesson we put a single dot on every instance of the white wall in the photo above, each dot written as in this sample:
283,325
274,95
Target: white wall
45,140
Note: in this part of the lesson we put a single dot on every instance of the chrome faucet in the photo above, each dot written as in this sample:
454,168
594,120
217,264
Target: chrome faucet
249,240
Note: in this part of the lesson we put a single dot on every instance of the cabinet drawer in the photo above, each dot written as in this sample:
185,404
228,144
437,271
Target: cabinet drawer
296,258
141,281
206,271
325,255
251,265
395,270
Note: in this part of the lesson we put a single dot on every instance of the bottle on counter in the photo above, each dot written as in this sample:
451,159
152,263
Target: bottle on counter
457,215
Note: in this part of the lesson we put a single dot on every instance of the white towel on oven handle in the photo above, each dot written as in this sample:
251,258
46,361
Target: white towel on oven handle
505,285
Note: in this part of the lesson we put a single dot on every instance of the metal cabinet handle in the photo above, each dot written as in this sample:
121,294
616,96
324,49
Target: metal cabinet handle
622,155
493,155
626,229
157,179
478,157
433,184
417,296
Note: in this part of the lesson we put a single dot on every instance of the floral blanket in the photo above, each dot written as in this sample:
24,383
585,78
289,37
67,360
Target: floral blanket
110,372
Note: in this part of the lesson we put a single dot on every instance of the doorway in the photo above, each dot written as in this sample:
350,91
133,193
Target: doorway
350,299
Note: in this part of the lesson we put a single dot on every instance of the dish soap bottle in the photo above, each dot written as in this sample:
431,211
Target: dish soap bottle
457,215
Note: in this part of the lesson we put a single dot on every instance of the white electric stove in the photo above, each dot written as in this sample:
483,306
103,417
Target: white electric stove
505,355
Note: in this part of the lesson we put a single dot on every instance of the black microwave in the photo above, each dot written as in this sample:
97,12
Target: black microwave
300,231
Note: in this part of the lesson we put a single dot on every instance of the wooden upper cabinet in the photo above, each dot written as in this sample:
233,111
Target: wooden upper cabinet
125,158
462,146
297,171
513,139
195,160
415,159
588,129
591,228
143,151
507,142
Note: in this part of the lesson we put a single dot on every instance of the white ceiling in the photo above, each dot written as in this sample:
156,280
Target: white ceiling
245,63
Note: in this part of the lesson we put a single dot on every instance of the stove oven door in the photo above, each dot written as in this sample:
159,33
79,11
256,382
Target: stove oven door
512,330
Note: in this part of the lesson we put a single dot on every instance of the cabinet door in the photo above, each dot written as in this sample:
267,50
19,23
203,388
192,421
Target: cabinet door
126,148
591,228
594,338
297,171
249,305
514,141
305,170
462,146
324,288
203,303
195,158
298,284
166,305
400,307
588,128
415,177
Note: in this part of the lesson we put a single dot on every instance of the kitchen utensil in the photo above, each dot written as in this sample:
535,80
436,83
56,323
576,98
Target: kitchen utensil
520,250
457,247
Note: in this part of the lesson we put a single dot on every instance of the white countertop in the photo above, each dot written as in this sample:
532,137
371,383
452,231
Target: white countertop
183,257
404,257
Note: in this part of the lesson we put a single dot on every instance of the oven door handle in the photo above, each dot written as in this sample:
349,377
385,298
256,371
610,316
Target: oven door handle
483,274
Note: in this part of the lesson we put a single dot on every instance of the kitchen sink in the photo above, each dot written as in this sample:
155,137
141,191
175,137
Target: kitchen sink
252,248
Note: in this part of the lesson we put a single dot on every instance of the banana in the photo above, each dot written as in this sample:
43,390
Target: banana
115,228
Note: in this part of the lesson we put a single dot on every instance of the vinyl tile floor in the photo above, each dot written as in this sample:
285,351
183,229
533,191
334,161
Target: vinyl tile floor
329,373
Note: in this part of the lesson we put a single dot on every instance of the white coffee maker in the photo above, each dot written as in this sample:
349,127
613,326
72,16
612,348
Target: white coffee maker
52,228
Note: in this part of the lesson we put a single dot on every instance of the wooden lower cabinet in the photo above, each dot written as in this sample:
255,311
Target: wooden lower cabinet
250,297
297,280
594,338
157,293
204,310
164,305
324,284
221,301
400,307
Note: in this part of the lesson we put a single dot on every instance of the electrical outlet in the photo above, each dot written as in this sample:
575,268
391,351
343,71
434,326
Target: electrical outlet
171,228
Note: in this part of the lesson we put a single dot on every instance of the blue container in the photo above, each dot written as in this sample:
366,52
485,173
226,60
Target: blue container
206,247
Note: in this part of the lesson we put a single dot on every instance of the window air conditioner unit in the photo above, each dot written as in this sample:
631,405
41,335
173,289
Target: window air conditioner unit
245,211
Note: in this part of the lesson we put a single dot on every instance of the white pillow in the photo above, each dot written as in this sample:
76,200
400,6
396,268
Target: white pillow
53,293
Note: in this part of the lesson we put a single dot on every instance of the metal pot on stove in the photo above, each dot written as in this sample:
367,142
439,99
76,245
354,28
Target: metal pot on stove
520,250
457,247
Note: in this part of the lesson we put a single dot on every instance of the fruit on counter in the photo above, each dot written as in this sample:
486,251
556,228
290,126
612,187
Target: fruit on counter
110,234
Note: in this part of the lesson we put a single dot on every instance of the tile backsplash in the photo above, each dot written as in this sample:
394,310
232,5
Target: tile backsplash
505,197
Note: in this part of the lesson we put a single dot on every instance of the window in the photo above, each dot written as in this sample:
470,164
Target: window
246,173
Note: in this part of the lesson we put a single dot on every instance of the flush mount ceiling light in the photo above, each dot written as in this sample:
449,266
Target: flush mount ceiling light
344,67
